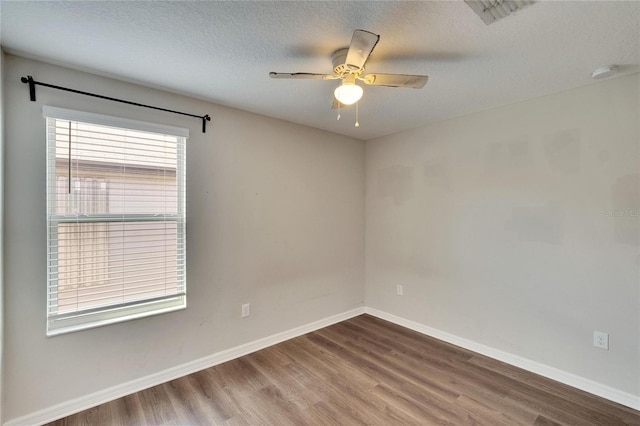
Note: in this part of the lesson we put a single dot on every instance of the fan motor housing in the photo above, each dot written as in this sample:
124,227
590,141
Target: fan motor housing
340,67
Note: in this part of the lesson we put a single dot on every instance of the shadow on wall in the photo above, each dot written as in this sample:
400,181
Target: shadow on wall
626,210
396,182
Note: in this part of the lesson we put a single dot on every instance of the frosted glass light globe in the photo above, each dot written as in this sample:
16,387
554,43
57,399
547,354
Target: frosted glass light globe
348,92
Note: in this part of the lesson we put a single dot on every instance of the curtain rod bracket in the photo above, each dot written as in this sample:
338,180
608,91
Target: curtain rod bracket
205,118
32,95
32,87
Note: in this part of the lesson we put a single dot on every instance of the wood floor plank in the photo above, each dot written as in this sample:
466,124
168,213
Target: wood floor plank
128,410
397,373
488,413
348,389
209,390
157,408
543,421
291,381
187,404
363,371
560,410
325,413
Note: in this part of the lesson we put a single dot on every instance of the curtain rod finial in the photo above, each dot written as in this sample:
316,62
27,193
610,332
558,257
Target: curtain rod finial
205,118
32,86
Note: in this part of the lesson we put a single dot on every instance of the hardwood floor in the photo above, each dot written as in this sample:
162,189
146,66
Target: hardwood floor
361,371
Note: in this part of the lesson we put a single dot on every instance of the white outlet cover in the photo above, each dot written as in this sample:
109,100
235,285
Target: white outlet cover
246,310
601,340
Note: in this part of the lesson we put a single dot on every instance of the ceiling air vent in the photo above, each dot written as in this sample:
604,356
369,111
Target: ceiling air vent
492,10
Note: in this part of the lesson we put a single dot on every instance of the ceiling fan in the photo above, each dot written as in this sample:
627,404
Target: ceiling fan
348,66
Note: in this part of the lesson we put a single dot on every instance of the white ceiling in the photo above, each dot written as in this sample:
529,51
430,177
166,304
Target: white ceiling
223,52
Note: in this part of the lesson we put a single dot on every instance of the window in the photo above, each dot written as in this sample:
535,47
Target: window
116,219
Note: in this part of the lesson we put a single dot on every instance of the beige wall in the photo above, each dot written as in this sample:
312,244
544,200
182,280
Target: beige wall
275,218
517,228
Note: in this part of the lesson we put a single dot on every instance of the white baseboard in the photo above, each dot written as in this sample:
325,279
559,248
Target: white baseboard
561,376
67,408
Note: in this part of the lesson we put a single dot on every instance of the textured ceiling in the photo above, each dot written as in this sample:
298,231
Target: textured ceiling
223,52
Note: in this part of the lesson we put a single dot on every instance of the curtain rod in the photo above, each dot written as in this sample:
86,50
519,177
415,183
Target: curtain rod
32,94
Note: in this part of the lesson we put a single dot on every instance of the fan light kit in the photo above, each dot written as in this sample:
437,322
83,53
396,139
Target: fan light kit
348,66
348,93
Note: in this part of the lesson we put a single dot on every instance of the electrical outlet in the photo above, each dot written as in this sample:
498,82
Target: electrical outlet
399,290
246,310
601,340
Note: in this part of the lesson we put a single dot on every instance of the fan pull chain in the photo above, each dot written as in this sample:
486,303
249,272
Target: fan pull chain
357,123
338,111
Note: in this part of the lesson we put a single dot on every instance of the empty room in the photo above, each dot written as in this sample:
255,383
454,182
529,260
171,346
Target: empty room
320,212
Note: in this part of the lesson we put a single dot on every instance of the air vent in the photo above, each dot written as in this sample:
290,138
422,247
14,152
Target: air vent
492,10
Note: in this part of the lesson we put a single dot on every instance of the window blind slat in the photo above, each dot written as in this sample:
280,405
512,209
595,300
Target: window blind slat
99,293
115,286
114,307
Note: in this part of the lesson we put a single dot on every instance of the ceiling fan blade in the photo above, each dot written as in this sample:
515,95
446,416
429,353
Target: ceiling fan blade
302,75
396,80
362,44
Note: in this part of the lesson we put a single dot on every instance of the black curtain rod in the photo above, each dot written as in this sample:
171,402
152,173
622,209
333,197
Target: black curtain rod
32,94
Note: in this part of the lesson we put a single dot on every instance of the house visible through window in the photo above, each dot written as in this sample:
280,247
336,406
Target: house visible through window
116,219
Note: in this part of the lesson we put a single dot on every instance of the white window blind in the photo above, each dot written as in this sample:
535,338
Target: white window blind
116,219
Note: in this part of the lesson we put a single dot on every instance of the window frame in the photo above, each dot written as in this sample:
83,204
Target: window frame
61,323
